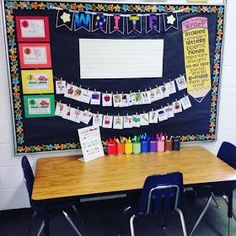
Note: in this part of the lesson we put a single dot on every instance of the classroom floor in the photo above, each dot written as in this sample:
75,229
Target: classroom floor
101,218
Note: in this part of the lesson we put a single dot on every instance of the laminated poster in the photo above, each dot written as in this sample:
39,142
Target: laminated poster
37,81
39,106
196,56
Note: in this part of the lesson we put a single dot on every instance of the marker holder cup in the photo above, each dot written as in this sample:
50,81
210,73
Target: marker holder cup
120,148
161,146
176,144
144,146
153,146
169,145
128,148
111,149
136,148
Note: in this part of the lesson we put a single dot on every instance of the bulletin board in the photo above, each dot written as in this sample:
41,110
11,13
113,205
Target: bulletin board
130,68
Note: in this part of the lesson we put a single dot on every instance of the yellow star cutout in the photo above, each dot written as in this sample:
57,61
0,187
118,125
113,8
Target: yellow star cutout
65,17
170,20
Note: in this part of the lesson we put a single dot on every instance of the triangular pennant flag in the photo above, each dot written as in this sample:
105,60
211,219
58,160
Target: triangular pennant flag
99,22
134,24
82,21
153,23
116,24
64,18
170,20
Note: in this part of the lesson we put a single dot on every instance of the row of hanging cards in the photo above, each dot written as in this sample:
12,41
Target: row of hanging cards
120,122
120,99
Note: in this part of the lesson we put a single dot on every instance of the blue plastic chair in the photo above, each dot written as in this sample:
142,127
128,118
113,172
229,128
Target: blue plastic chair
226,153
161,194
42,208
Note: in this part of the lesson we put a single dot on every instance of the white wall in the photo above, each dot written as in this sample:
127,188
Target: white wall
12,190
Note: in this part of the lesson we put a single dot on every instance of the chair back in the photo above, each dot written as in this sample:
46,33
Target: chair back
161,193
227,153
28,176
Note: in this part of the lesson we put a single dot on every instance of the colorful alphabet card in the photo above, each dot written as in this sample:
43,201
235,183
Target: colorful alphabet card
37,81
35,55
32,29
39,106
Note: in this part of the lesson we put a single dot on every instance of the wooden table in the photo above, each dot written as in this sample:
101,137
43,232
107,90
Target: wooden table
68,177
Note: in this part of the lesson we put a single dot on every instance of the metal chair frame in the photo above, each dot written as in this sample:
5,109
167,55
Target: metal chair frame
65,214
145,209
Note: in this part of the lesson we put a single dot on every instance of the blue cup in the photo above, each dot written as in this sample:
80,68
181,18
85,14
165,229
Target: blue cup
144,146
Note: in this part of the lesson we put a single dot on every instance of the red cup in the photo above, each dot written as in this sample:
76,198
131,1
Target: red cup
112,149
120,148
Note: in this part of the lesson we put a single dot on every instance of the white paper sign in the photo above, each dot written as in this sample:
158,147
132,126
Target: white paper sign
91,144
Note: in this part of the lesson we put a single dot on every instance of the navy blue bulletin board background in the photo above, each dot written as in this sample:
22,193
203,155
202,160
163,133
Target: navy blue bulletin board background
54,133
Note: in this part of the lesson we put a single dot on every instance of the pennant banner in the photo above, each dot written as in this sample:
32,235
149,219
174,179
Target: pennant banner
170,21
116,24
153,23
109,23
65,18
134,24
99,22
82,21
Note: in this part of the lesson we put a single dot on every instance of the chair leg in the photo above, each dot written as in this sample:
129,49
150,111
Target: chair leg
214,199
31,222
226,201
182,221
123,220
202,214
71,223
40,229
77,213
131,222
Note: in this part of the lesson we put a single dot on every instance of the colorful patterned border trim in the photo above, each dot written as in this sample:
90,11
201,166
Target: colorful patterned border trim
10,6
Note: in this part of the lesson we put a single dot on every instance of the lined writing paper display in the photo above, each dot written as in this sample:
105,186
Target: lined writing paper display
120,58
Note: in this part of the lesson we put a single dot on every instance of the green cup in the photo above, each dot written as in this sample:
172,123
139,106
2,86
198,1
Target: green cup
136,148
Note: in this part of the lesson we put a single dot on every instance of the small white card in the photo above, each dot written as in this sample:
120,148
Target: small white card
159,93
60,109
136,120
164,91
138,99
162,115
146,97
185,101
153,117
118,122
86,116
90,141
153,95
177,107
128,122
117,100
76,115
60,87
181,83
107,121
95,98
144,119
125,100
70,88
171,87
169,111
107,99
97,119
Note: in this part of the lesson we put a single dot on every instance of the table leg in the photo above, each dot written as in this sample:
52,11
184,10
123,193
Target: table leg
230,211
46,225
